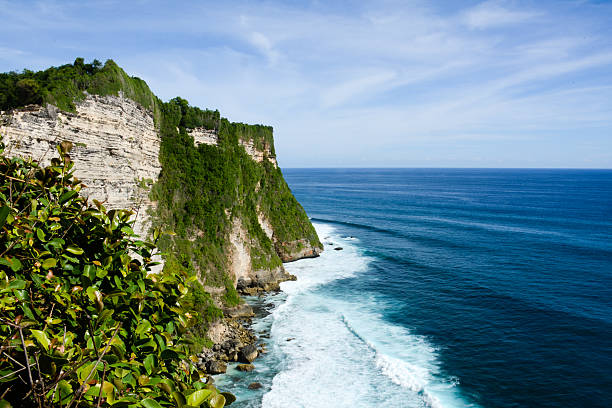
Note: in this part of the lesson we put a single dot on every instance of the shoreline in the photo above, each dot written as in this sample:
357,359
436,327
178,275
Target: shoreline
236,342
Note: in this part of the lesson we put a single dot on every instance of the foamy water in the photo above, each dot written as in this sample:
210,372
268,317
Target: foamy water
327,350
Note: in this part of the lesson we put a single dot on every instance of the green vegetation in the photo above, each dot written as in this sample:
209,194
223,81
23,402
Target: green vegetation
63,86
82,322
201,192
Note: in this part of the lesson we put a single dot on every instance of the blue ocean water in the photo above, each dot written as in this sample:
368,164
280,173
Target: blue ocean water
453,288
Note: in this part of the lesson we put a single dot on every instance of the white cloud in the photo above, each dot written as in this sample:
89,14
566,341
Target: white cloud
264,45
492,13
371,80
345,91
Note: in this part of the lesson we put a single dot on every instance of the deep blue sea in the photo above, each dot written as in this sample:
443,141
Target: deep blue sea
453,288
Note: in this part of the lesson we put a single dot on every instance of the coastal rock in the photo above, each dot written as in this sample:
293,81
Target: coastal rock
298,249
216,367
248,354
338,249
242,310
245,367
255,386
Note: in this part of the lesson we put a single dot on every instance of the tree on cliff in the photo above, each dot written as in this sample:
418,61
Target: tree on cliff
82,321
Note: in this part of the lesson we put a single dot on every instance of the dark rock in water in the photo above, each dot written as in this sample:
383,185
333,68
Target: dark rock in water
245,367
338,249
291,338
255,386
216,367
248,354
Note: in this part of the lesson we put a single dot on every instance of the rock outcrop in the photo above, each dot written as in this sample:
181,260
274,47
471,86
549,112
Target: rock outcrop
115,147
210,137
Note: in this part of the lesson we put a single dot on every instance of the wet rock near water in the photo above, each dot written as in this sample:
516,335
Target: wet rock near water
238,344
248,354
245,367
215,367
255,386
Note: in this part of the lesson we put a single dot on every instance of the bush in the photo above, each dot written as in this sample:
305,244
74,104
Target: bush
82,321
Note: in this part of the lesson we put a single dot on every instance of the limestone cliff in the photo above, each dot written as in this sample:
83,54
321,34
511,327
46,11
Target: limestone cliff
214,186
115,146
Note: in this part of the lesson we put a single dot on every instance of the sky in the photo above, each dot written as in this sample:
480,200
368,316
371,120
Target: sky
496,83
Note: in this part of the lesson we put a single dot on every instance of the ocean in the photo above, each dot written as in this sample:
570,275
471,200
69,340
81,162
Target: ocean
452,288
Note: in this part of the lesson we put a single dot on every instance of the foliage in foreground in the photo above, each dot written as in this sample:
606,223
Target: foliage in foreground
82,322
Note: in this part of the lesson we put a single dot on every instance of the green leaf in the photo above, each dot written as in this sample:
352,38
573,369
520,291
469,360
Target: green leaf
196,398
89,271
67,196
149,363
65,390
84,371
150,403
40,234
16,264
143,327
179,398
57,242
4,212
74,249
17,284
42,338
5,404
217,401
49,263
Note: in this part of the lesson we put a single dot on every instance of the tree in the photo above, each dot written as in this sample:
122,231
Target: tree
28,91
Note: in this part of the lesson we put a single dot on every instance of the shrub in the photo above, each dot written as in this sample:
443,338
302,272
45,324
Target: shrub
82,320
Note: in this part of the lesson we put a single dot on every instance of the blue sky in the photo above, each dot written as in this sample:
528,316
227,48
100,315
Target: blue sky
498,83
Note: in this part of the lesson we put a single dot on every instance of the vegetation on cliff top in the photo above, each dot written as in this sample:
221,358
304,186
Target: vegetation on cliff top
201,190
82,322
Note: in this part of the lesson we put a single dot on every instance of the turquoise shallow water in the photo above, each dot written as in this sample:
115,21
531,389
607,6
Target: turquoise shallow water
454,288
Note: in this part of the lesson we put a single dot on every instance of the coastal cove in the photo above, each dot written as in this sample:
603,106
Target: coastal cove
454,288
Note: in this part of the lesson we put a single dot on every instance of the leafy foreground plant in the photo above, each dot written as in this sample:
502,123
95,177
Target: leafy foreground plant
82,320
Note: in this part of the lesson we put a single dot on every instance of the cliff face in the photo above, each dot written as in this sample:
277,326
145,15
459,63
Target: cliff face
119,154
115,147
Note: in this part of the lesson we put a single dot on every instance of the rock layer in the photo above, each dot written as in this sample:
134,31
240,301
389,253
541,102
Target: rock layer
115,147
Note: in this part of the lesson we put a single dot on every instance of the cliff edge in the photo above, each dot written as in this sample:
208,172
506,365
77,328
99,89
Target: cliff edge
213,188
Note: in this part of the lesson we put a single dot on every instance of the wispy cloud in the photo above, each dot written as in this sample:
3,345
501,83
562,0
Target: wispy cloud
356,83
494,13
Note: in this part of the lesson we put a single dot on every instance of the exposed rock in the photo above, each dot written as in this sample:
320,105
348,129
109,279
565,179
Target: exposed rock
247,280
338,249
255,386
294,250
210,137
245,367
242,310
216,367
248,354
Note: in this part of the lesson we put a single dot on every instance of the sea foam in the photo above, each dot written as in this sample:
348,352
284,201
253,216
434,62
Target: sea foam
336,350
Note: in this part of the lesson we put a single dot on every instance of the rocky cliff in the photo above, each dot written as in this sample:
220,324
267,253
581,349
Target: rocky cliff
115,146
213,186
